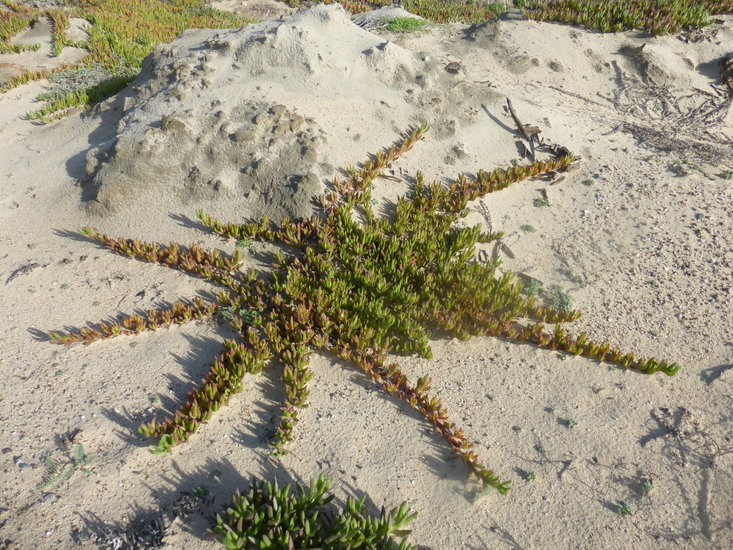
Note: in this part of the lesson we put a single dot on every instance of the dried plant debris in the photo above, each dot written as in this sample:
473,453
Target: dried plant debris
148,530
359,291
23,270
687,122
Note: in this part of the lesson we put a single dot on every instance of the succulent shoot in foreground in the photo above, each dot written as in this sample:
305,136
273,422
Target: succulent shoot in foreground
360,287
270,517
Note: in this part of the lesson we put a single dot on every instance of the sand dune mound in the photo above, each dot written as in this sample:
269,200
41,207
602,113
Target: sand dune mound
252,116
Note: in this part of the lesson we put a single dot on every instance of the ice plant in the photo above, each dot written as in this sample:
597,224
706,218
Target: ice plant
270,517
359,288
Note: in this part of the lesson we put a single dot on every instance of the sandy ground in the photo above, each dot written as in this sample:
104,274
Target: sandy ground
639,235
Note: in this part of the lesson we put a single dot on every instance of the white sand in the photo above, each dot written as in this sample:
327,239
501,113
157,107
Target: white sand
645,252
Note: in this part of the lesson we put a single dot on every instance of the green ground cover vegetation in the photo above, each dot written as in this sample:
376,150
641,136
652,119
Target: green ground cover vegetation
121,34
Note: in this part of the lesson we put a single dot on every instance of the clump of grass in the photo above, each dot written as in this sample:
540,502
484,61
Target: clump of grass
270,517
405,24
359,288
654,16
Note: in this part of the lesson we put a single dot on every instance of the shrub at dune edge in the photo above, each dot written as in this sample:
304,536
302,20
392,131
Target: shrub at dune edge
359,287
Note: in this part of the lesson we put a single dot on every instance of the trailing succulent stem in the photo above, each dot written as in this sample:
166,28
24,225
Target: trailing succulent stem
359,288
179,313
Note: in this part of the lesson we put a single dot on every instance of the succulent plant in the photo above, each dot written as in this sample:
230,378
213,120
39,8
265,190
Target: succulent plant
654,16
270,517
359,288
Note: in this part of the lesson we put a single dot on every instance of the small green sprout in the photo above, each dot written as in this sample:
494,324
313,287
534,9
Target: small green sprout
648,486
541,202
527,228
624,509
570,424
58,472
530,476
201,491
589,182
